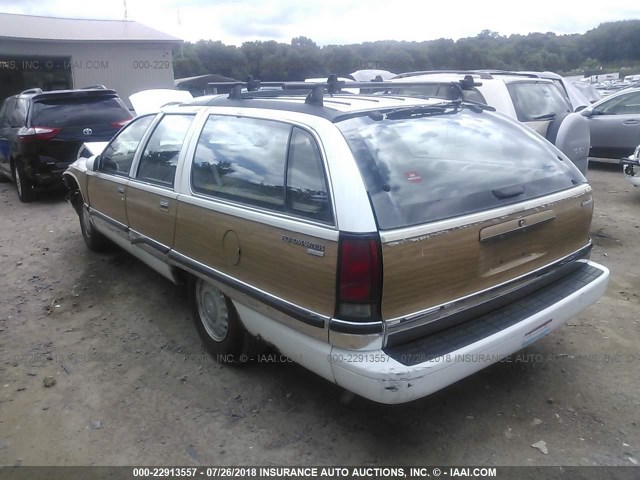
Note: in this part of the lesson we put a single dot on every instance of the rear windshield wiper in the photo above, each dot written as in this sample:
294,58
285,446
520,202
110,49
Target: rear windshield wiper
417,111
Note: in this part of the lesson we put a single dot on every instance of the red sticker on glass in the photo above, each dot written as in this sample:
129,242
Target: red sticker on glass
413,177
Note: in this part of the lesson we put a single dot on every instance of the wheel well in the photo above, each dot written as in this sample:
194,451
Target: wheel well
74,196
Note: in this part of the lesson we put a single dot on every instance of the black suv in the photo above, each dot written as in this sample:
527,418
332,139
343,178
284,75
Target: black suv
42,132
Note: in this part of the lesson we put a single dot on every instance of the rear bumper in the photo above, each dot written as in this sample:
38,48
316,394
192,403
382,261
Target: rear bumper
414,370
635,178
49,179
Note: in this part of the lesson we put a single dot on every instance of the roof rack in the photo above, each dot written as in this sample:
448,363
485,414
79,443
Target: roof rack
515,74
484,74
315,91
94,87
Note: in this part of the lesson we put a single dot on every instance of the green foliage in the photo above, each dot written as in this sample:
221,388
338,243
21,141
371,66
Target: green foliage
613,46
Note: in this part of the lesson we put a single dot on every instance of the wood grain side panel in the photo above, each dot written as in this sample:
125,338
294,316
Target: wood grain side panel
265,261
424,272
146,216
104,197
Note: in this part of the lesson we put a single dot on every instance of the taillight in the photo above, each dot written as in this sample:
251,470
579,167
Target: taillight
359,277
121,123
37,133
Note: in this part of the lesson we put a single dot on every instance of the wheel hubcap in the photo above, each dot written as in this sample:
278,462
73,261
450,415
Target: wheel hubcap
212,309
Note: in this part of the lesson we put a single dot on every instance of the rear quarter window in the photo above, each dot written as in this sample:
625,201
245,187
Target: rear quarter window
428,168
242,159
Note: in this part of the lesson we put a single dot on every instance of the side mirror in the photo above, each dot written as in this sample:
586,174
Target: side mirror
580,108
93,163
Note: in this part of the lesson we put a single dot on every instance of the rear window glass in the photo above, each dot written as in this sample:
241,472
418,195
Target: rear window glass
537,101
78,111
427,168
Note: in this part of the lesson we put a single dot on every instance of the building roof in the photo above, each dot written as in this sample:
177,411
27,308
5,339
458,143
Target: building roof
29,27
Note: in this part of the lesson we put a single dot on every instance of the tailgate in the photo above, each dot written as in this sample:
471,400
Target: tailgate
428,268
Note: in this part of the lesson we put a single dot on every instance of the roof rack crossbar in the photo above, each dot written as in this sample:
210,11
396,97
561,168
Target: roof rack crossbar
315,91
485,75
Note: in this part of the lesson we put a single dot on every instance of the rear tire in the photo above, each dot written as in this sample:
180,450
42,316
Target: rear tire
95,241
24,185
219,325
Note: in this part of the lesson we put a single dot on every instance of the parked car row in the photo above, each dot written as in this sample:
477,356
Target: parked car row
40,132
536,101
426,233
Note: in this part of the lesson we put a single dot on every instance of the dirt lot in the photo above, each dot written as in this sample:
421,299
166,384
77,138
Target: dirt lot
133,385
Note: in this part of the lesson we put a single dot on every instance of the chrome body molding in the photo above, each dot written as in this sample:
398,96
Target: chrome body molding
144,248
359,336
107,219
148,244
111,228
439,313
264,217
519,225
406,234
259,299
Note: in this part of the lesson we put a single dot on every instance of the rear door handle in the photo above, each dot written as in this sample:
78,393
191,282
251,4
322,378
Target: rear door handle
630,122
164,205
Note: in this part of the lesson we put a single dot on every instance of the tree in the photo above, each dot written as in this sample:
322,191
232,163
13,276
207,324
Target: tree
303,42
615,45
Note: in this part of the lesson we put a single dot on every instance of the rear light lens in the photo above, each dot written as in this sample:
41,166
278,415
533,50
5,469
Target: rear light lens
37,133
121,123
359,278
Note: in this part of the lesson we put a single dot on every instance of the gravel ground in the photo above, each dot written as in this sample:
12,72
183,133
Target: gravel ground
100,365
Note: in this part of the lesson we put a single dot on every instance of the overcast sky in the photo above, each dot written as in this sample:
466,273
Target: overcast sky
341,22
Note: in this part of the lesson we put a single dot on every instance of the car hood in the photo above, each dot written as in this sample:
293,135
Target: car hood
151,101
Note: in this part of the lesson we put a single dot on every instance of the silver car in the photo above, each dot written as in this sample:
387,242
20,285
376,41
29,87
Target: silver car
614,122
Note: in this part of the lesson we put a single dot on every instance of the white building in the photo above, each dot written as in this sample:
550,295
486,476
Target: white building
57,53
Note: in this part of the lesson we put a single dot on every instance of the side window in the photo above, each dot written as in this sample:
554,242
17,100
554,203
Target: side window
242,159
117,157
307,193
20,112
623,105
160,157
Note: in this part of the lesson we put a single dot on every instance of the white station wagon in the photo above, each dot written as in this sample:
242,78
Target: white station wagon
392,245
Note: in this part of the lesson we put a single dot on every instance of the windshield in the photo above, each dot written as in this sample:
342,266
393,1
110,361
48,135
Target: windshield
424,168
